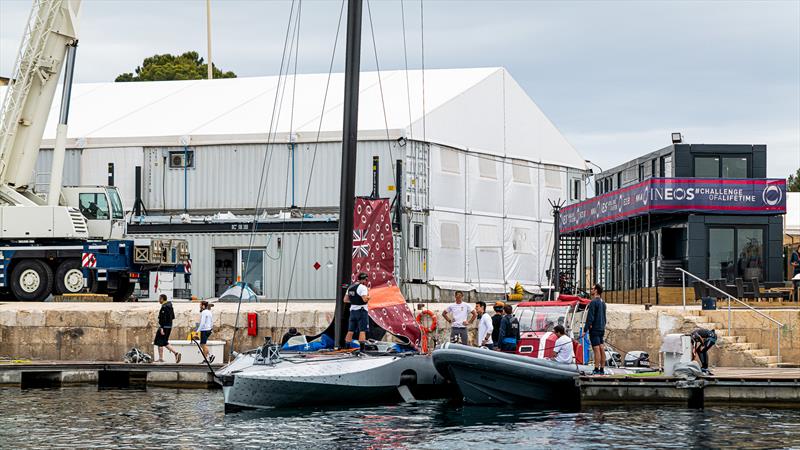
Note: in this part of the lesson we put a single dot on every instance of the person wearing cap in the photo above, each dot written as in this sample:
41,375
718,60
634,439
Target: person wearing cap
204,328
496,319
459,315
289,334
358,297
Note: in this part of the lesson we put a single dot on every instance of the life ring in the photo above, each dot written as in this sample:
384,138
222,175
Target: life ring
430,314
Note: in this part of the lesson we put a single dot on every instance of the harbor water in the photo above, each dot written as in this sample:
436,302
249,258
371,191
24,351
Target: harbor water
85,417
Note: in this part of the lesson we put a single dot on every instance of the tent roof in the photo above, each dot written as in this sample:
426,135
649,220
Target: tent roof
480,109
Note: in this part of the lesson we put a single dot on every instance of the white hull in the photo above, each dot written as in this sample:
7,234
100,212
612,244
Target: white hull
320,379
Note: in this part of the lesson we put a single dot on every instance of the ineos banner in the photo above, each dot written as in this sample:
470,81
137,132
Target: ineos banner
672,195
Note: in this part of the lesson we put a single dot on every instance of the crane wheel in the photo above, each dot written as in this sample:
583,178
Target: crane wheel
31,280
69,278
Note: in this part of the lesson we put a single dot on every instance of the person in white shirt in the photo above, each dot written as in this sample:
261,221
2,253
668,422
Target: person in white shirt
358,298
563,346
204,328
459,315
485,326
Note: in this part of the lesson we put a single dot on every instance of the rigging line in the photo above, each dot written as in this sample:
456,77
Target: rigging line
263,164
313,161
389,143
296,44
405,60
422,43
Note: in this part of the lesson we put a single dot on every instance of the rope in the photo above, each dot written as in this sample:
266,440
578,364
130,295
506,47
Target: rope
264,165
313,161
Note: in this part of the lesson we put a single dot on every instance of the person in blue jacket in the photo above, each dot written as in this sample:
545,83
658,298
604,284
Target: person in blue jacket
509,331
596,327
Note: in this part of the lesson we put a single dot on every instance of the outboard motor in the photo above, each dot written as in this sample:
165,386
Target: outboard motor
613,359
637,358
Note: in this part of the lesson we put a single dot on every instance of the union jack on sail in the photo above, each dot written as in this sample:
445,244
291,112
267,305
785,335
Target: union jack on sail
360,245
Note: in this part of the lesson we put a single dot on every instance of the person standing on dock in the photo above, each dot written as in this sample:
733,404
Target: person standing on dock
358,297
459,315
485,327
496,319
509,330
596,327
702,341
204,328
795,262
165,317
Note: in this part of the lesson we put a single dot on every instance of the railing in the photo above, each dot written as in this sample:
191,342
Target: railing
729,297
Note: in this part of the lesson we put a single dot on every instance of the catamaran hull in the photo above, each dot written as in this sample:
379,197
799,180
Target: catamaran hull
343,381
487,377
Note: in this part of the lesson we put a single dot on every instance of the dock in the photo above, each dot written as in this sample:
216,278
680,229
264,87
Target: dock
105,374
727,386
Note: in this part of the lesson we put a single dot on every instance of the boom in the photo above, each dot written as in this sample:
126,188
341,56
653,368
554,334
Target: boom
50,32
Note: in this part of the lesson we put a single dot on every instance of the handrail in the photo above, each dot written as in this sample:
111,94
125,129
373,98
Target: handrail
730,297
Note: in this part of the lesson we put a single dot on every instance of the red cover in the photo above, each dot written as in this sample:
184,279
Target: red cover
373,254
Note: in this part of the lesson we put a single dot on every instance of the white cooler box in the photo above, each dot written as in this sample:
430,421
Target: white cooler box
190,353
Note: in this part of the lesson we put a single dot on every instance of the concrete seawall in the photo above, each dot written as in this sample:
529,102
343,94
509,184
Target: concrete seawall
105,331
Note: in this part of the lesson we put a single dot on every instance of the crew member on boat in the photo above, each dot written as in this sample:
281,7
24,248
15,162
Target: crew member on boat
565,354
496,319
509,330
358,297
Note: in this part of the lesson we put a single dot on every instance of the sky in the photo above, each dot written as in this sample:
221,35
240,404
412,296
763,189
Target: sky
615,77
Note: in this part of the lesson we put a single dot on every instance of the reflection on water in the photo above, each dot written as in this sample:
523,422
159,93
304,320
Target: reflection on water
85,417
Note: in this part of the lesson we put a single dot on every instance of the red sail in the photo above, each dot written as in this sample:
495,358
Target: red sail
373,254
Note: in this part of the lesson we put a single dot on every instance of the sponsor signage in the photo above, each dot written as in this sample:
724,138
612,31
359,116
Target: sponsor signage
675,195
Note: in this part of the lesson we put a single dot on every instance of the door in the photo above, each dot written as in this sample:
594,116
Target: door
224,270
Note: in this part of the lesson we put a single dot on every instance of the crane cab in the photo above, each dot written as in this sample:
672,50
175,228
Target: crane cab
102,208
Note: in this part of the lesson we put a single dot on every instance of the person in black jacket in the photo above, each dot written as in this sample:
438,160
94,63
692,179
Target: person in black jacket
165,317
509,330
496,319
596,327
702,341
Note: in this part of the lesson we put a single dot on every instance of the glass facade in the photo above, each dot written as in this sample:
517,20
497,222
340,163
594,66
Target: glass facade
734,167
253,269
736,253
706,166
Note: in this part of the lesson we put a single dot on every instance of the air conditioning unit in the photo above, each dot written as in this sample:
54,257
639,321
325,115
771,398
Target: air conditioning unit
181,159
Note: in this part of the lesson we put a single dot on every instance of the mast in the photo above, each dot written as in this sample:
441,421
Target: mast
344,266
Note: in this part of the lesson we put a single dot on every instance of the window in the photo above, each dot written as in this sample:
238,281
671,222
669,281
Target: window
418,241
607,185
576,189
735,253
666,166
450,235
253,269
116,204
734,167
520,173
94,206
450,160
520,242
487,168
653,167
706,166
597,188
180,159
619,180
552,177
630,176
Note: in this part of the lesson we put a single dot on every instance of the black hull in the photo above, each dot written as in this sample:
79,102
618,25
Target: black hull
486,377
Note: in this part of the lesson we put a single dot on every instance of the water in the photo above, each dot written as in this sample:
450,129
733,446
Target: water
172,418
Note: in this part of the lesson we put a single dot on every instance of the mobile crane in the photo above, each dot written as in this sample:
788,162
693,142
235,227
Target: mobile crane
73,239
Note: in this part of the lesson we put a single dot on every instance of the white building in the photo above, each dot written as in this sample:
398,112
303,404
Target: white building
478,170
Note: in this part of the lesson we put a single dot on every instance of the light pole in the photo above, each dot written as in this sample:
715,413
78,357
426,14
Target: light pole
208,33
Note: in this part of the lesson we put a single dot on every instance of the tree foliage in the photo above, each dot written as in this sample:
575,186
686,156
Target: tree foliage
188,66
793,182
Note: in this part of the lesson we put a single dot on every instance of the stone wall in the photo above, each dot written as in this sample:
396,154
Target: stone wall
105,331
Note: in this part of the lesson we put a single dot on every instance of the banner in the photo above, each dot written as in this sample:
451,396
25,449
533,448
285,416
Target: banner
373,254
678,195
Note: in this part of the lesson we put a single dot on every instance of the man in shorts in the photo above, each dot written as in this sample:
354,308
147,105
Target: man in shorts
165,317
459,315
596,327
358,297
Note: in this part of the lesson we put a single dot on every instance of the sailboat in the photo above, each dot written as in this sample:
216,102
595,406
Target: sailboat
269,377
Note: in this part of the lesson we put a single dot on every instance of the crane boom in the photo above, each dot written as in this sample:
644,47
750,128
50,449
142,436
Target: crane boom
51,29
